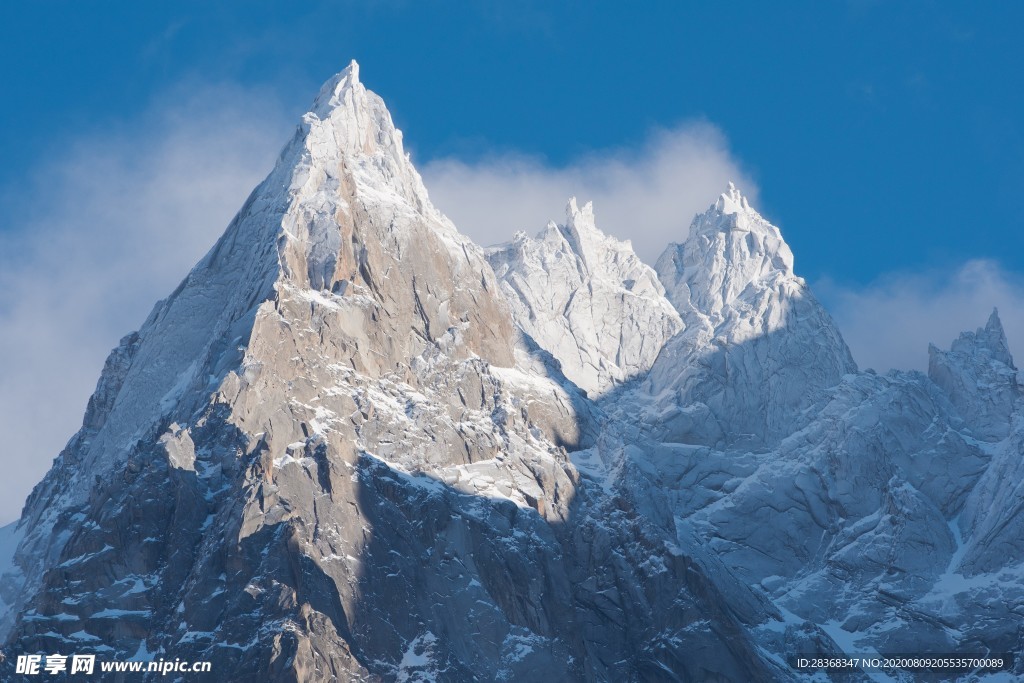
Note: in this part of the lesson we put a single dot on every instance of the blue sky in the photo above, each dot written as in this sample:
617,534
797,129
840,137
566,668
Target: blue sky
882,135
885,139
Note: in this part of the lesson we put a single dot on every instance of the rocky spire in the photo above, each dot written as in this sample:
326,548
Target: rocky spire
729,247
989,340
750,321
979,376
586,298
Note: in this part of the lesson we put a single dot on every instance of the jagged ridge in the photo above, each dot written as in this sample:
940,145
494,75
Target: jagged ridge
350,432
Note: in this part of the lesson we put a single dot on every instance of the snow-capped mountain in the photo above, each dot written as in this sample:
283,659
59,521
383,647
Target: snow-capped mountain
353,445
586,297
758,348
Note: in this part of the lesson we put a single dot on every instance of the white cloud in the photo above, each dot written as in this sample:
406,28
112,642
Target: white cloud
99,234
648,195
890,322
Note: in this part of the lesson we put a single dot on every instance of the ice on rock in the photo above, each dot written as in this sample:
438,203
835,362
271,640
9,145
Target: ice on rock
757,349
587,299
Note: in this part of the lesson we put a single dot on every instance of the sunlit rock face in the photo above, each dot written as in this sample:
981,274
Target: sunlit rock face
586,298
353,445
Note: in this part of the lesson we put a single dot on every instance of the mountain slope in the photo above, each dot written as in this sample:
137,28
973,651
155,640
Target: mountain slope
330,454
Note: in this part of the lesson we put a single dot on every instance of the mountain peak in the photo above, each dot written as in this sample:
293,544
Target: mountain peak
729,247
575,215
732,211
581,220
749,321
995,335
732,201
334,91
347,152
586,298
580,229
347,120
989,340
978,375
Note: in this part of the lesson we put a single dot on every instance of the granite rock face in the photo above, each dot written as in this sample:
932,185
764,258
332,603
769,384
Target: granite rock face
353,445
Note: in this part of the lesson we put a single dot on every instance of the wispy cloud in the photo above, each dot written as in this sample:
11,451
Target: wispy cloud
648,195
890,322
96,236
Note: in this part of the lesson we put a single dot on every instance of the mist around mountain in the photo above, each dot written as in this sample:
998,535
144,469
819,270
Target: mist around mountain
354,445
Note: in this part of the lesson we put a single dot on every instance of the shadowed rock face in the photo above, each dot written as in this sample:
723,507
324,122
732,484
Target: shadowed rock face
352,445
978,375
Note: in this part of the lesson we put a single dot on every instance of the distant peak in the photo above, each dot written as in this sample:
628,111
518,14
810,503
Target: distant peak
994,337
994,324
991,338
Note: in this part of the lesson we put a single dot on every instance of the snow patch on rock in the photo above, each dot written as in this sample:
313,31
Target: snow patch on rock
586,298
